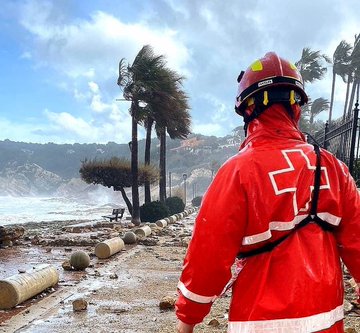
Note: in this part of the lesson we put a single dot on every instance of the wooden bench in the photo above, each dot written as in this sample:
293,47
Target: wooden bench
117,213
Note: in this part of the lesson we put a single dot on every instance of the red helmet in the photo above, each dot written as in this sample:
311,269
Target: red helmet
265,74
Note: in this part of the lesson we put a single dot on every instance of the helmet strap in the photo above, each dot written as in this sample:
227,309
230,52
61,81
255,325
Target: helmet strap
259,109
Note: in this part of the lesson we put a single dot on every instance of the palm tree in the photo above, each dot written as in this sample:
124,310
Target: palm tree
137,82
316,107
158,109
175,120
341,61
353,75
310,66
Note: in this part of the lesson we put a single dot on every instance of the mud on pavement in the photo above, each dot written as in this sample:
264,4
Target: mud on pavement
123,293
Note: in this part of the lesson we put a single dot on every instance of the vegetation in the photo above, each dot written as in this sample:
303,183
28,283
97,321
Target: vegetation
155,94
116,173
311,110
341,61
153,211
196,202
310,65
175,205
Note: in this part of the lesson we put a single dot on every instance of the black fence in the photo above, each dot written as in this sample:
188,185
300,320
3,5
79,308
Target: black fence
343,140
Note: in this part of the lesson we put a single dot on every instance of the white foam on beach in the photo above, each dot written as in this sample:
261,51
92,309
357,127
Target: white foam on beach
37,209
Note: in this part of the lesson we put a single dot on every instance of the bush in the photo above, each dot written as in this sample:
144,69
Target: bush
175,205
196,202
153,211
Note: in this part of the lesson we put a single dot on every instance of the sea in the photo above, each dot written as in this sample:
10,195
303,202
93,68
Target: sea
20,210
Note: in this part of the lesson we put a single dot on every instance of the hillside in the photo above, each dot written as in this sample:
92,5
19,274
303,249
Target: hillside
44,169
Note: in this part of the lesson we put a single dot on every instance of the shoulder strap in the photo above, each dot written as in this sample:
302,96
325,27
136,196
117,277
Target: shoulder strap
311,217
315,195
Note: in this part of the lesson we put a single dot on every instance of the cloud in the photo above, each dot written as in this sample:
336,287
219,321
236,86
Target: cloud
93,47
206,41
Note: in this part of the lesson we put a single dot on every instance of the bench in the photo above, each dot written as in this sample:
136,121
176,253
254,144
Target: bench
117,213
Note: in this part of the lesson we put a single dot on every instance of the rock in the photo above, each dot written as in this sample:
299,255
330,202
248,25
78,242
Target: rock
129,237
167,303
350,330
66,265
149,241
79,260
114,276
10,234
347,306
7,243
79,305
214,323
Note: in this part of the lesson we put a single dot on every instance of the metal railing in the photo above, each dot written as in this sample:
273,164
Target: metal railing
343,140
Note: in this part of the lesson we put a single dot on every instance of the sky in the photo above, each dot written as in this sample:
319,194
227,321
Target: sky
59,59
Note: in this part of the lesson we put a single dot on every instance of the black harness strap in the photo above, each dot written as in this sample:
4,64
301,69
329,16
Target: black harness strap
312,217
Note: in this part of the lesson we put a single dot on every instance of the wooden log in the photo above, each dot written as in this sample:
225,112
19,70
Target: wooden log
109,247
143,231
161,223
20,287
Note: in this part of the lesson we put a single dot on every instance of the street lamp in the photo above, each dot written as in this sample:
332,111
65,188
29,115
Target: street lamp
194,190
170,184
185,177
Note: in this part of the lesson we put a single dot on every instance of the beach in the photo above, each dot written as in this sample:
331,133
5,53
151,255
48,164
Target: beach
123,293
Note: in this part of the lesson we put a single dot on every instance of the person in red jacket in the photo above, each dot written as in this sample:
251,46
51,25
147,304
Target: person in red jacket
280,215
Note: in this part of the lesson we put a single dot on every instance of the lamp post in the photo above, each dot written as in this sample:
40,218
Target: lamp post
185,177
170,184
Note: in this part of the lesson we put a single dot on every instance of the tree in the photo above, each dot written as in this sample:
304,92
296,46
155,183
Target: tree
341,61
309,112
116,173
175,120
163,98
353,76
316,107
310,65
137,82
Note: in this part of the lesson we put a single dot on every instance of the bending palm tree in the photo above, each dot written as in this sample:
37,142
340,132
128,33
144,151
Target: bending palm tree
310,66
353,75
137,82
167,91
175,120
341,61
317,106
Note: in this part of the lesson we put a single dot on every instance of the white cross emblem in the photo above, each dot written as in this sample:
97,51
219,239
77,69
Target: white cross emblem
289,185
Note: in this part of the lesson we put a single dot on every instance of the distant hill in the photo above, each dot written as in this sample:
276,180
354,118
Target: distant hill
34,169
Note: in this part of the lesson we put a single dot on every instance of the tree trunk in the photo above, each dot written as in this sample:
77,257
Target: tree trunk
352,97
347,96
134,166
126,199
332,97
147,157
162,165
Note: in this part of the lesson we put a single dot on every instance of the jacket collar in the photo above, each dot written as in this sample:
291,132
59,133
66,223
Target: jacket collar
274,124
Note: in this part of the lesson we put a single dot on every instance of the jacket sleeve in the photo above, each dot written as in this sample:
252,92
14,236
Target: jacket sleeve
217,235
348,232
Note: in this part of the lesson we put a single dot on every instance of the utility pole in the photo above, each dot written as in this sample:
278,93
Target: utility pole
185,177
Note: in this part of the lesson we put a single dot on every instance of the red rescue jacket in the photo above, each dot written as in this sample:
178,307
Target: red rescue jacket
256,197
